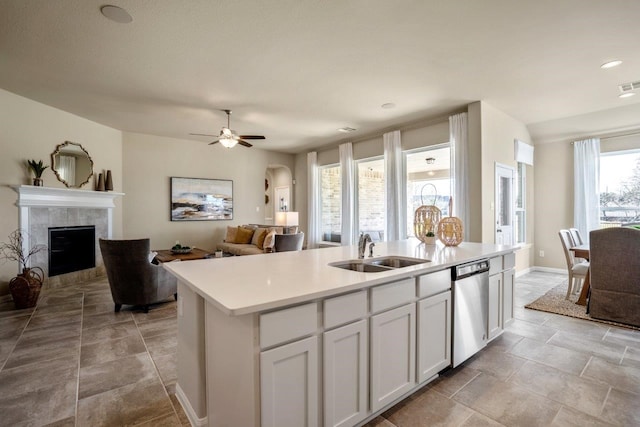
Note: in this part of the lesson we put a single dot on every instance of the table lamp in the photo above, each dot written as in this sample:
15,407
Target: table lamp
288,221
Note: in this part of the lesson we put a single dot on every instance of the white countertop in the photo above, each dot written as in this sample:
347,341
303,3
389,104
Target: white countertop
254,283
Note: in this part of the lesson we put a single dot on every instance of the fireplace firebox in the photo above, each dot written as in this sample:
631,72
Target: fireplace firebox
71,249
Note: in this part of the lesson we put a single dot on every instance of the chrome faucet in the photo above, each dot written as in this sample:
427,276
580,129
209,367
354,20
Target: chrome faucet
362,244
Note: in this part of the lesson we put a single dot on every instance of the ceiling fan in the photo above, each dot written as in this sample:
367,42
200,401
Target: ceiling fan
229,138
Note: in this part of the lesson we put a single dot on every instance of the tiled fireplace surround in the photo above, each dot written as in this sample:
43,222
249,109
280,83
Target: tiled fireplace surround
44,207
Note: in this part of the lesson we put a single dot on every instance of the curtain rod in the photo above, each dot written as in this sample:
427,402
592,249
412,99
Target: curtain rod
622,135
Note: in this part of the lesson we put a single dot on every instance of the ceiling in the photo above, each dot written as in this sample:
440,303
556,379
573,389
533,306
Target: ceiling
297,70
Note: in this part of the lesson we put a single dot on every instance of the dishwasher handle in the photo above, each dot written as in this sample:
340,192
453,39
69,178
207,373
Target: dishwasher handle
470,269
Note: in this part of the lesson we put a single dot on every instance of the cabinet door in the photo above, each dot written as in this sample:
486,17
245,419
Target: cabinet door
434,335
346,374
508,283
495,308
393,346
289,384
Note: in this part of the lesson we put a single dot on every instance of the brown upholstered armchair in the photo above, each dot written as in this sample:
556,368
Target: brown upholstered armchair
614,254
132,278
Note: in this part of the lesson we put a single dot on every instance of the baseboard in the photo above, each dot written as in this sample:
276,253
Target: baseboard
525,271
191,414
549,270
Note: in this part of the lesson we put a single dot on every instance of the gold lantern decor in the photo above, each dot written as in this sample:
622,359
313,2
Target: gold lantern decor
450,229
426,219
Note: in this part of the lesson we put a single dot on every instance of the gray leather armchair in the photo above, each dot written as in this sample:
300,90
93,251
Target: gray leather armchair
614,255
132,278
288,242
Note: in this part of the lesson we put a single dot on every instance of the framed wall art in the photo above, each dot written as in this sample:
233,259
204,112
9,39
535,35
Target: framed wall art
201,199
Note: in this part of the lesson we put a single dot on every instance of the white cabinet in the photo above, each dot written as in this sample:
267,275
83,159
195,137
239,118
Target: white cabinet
393,344
434,335
494,321
508,283
346,374
289,385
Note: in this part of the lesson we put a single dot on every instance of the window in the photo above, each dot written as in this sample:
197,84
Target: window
521,196
620,188
370,197
330,203
428,180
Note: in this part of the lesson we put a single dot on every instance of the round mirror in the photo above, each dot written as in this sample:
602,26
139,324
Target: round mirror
72,164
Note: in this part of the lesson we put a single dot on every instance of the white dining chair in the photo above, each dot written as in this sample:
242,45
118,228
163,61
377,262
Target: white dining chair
576,270
575,235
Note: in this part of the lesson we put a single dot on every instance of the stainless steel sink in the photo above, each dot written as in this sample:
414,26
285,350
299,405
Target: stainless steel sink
376,265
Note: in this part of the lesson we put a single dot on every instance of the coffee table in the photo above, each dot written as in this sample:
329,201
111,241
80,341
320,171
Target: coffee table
165,255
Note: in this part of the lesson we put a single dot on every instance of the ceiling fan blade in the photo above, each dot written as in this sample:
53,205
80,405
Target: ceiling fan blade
251,136
214,142
245,143
201,134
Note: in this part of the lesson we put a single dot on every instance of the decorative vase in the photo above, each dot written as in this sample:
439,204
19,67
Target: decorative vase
108,185
38,182
25,287
100,186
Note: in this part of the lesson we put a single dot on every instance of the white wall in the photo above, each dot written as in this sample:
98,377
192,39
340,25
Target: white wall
31,130
148,163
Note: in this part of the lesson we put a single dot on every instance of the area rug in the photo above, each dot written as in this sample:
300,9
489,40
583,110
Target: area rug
554,302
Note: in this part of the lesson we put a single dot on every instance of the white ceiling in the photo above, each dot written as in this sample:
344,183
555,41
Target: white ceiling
297,70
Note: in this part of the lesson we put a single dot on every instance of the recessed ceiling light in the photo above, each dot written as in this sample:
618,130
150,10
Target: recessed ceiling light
611,64
388,105
626,95
116,14
346,129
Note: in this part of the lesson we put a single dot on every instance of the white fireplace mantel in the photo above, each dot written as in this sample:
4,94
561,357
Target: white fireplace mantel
30,197
33,196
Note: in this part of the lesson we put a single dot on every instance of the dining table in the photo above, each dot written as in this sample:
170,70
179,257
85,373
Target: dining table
582,251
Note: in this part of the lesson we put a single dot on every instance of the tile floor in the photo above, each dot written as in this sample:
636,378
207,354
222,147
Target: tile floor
73,361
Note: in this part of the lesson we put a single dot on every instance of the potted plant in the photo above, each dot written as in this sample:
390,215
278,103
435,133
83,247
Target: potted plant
25,287
430,238
37,168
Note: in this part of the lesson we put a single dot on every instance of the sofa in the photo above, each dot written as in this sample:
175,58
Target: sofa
614,256
249,239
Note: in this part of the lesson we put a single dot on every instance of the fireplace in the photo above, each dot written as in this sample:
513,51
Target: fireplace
71,249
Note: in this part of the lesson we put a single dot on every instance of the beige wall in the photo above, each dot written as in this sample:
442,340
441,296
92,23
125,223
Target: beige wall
30,130
148,163
554,194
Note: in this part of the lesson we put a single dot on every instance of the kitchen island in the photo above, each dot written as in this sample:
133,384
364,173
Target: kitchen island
287,339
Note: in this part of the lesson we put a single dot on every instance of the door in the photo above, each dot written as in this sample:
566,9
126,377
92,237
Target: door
393,350
346,375
289,385
504,204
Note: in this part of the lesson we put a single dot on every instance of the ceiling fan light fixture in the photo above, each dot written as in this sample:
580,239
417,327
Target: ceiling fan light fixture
228,142
611,64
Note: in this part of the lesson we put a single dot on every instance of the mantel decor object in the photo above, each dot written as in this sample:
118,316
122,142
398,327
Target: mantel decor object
108,184
25,287
450,229
100,186
37,168
426,219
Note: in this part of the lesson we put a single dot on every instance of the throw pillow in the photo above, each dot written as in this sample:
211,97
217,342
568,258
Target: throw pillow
244,235
257,234
262,235
269,240
231,235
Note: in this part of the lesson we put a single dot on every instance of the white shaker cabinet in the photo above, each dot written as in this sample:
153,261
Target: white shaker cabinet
508,283
434,335
494,321
393,341
289,385
346,375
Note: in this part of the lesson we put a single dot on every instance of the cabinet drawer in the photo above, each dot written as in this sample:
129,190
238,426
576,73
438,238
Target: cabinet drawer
392,295
509,261
288,324
345,309
434,283
495,265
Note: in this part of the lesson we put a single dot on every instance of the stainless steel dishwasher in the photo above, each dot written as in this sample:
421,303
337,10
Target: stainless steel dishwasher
470,309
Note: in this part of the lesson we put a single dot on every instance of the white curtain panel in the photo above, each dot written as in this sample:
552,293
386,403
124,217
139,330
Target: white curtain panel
458,138
67,169
313,220
586,187
394,208
347,179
